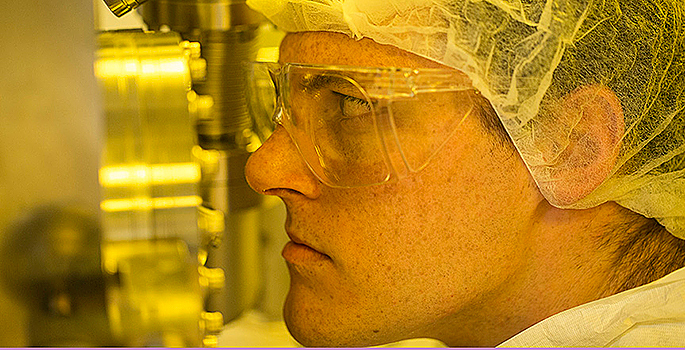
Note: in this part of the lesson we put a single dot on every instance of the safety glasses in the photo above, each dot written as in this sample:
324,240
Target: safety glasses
359,126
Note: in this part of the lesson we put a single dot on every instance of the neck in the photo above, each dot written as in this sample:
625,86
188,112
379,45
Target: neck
566,267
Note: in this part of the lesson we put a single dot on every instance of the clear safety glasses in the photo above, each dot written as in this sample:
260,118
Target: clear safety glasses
359,126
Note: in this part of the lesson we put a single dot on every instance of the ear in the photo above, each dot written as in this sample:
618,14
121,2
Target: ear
593,144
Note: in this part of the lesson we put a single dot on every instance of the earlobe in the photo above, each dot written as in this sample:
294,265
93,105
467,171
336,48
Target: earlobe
593,143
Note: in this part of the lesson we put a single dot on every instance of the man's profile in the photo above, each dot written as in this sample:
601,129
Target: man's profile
478,172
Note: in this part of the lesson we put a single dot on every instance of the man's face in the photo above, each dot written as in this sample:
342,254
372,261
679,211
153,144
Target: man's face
409,259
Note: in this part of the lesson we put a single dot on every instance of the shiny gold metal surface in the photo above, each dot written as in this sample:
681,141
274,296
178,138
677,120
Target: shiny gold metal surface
212,322
154,298
149,181
228,32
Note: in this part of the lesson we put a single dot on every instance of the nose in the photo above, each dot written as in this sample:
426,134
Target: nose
277,168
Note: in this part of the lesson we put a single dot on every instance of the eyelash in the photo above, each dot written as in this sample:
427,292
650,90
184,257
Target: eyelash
356,101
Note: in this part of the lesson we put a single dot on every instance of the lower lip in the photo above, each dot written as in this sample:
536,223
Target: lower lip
300,254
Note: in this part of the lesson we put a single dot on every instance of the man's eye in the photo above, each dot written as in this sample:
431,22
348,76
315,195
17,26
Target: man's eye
352,107
356,115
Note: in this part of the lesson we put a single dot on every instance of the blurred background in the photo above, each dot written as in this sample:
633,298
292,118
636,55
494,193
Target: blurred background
125,219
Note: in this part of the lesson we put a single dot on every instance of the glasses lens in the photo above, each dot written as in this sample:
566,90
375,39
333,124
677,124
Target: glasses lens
261,97
333,122
422,133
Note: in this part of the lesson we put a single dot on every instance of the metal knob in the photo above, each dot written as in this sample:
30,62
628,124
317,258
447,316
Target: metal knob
198,65
212,278
213,322
210,341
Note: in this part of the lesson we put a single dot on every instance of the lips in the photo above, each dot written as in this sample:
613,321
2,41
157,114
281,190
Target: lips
298,252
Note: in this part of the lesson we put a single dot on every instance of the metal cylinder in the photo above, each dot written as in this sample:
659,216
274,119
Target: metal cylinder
227,30
237,252
224,51
149,191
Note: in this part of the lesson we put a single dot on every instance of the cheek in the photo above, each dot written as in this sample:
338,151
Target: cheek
459,215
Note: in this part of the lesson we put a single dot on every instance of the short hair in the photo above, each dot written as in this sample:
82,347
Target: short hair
645,251
490,121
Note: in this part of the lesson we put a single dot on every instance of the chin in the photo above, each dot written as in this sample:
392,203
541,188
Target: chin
306,325
324,327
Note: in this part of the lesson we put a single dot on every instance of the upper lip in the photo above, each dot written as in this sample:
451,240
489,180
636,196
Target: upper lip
297,240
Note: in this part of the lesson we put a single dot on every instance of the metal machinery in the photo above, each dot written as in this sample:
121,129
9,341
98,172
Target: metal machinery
175,246
227,31
149,191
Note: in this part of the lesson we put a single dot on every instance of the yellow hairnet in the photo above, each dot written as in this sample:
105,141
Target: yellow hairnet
525,56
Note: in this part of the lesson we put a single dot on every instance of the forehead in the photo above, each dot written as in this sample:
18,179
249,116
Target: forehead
340,49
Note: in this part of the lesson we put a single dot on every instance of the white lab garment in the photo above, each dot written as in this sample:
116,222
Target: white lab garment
652,315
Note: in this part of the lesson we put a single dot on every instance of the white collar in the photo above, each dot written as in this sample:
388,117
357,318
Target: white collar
652,315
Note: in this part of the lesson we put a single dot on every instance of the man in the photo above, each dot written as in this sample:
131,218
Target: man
431,222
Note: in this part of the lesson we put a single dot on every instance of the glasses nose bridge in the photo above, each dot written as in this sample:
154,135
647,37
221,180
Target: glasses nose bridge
277,116
276,76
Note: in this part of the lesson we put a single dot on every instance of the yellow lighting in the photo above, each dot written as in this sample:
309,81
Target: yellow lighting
173,66
142,203
131,67
148,68
105,68
156,174
206,155
267,54
108,67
